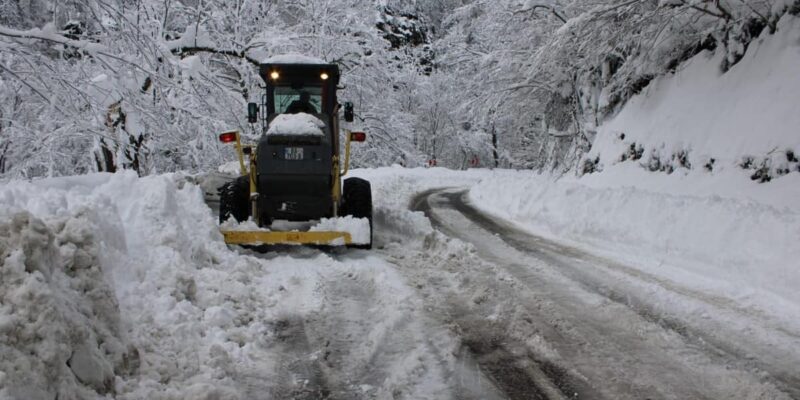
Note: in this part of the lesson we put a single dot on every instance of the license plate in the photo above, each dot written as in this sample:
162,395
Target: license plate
293,153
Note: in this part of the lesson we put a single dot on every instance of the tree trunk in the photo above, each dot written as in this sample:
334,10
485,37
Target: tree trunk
494,148
3,150
104,158
135,154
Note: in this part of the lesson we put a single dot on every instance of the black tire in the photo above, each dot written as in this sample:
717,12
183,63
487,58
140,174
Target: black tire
357,201
234,200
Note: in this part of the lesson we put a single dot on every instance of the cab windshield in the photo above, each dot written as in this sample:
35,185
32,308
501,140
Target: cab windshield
288,99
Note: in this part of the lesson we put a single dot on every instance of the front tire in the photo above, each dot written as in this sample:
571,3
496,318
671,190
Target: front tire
234,200
357,199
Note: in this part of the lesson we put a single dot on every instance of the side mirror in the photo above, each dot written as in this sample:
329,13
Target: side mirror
348,111
252,113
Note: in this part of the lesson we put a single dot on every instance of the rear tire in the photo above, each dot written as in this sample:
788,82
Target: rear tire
357,202
234,200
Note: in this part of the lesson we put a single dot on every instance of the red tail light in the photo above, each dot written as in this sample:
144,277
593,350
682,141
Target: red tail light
228,137
358,136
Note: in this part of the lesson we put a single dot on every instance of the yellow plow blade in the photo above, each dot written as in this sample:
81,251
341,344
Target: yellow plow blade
261,237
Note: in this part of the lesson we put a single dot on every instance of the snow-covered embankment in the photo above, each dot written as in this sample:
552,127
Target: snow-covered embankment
696,179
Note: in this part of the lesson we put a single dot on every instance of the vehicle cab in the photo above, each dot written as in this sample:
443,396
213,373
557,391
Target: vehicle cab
295,161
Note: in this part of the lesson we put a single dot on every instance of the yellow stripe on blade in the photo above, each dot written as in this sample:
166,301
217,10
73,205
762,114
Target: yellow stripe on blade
261,237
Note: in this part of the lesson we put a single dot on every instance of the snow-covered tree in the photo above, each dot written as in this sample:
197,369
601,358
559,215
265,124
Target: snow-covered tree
146,85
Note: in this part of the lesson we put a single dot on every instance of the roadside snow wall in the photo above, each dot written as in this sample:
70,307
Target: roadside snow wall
100,294
677,190
60,332
59,318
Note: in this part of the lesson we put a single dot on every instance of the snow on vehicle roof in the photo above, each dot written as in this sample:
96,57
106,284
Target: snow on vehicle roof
300,124
293,58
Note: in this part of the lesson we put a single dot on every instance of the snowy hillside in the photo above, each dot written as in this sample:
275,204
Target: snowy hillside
703,119
676,182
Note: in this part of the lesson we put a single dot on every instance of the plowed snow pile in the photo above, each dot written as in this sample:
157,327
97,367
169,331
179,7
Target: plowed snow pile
115,286
59,319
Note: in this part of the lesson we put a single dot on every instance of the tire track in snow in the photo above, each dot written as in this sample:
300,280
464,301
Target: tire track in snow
301,377
376,345
513,369
786,377
595,330
359,336
505,360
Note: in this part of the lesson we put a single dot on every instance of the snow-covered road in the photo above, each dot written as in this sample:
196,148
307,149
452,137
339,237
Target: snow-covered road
573,323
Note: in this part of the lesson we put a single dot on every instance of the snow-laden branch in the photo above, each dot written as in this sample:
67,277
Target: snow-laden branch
49,34
189,50
721,12
532,9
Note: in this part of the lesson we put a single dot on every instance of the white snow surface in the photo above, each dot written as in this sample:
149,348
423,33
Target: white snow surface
193,36
300,124
752,110
293,58
52,34
230,168
358,228
728,235
233,225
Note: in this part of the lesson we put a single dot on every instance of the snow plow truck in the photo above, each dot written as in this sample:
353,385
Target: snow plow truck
291,178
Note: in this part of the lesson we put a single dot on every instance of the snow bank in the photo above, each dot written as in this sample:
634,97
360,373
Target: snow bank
728,240
700,118
59,319
300,124
115,286
293,58
358,228
115,274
